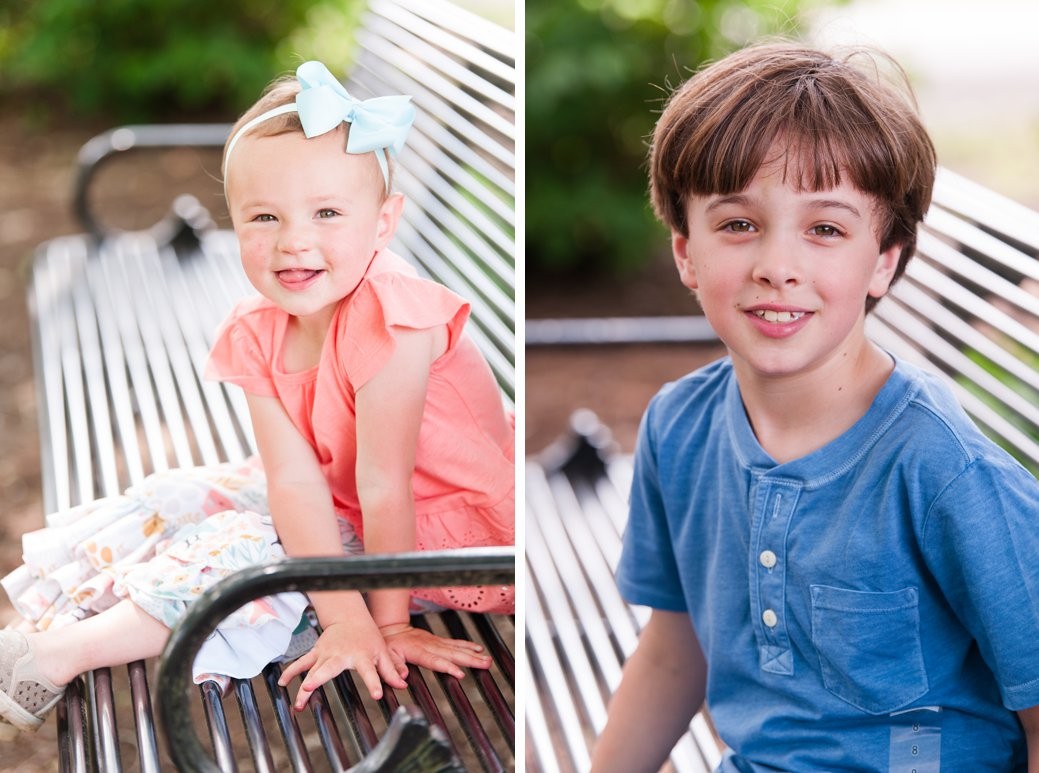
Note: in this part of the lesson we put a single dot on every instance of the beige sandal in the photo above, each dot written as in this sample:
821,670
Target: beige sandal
26,696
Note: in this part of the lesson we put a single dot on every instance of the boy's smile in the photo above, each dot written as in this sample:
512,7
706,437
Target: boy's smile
778,321
783,273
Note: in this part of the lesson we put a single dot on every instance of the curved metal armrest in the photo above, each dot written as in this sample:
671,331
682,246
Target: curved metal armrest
126,138
470,566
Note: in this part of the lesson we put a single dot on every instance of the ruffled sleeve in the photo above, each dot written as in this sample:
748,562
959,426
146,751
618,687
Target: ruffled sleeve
384,305
242,350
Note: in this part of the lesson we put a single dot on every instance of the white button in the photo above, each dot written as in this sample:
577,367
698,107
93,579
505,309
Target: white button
768,559
769,618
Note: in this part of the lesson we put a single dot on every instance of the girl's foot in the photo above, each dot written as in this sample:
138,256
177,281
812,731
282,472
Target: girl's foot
26,696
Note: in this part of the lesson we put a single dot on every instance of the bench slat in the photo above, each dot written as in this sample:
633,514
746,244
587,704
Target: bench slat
253,724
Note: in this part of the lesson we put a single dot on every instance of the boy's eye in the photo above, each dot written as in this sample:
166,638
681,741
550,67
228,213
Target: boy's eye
738,226
325,213
825,230
264,218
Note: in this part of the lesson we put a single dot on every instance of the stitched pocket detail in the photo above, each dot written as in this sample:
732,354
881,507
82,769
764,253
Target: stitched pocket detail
869,646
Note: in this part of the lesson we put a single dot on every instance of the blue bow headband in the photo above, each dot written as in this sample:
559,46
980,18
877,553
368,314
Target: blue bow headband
378,125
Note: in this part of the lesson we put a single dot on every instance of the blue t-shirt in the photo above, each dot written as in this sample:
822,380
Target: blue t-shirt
872,606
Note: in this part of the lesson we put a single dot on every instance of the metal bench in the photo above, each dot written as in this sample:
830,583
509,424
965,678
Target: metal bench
122,322
968,308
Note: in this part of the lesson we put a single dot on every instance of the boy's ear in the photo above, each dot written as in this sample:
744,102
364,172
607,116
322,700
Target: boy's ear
684,262
389,216
883,274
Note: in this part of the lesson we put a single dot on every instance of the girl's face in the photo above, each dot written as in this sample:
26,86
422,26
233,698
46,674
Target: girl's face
309,218
783,274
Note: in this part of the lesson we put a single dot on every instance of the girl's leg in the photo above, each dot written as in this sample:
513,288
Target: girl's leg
118,635
35,667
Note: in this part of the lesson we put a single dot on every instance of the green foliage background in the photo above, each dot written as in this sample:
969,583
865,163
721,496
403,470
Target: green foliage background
598,72
160,59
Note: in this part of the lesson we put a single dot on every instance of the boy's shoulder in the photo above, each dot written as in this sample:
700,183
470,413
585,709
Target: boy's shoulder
938,414
922,429
707,379
697,397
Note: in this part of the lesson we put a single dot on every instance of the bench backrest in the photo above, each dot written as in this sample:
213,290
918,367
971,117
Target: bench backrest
968,307
459,166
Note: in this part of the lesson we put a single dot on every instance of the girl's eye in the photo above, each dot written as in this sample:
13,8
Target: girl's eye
738,227
325,213
264,218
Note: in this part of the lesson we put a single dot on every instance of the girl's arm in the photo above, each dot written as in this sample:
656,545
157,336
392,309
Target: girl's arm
661,690
1030,722
389,417
301,507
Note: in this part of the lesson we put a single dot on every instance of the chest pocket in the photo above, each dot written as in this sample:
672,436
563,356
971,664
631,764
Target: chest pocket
869,646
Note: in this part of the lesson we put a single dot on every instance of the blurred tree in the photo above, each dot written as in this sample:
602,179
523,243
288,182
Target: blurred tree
598,72
156,59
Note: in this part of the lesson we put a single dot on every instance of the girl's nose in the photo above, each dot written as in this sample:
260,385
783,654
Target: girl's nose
293,238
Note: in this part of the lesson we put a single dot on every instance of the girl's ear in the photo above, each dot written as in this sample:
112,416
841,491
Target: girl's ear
683,261
389,216
884,272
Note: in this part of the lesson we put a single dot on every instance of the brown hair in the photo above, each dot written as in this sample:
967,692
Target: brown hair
835,118
280,92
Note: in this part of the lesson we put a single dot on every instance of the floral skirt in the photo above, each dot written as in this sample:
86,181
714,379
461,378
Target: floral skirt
161,544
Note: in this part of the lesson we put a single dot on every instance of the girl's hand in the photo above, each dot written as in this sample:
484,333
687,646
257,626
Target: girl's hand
415,645
358,645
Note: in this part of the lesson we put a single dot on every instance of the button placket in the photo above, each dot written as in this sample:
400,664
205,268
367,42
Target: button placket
775,506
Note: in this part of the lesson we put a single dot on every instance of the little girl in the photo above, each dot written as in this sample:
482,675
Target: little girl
379,425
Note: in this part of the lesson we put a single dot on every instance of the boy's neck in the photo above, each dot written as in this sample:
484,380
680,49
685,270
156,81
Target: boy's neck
792,417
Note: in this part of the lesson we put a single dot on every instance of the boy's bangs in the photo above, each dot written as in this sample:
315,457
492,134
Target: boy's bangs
813,153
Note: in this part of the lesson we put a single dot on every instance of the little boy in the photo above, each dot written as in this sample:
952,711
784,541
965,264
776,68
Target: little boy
837,560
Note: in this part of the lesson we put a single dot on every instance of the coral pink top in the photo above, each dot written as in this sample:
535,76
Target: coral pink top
464,479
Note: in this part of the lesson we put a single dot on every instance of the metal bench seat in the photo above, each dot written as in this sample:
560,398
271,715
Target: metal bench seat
122,324
968,309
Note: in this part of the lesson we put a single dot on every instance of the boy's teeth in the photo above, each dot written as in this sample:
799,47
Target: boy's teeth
779,317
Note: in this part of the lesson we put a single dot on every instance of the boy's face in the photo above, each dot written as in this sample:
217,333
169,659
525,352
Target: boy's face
783,274
309,218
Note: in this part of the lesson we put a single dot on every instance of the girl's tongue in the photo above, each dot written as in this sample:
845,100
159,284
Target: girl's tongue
297,275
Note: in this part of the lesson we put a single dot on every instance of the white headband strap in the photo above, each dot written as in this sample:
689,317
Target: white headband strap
273,112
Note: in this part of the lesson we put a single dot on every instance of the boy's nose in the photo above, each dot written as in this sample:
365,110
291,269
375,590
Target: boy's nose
777,263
